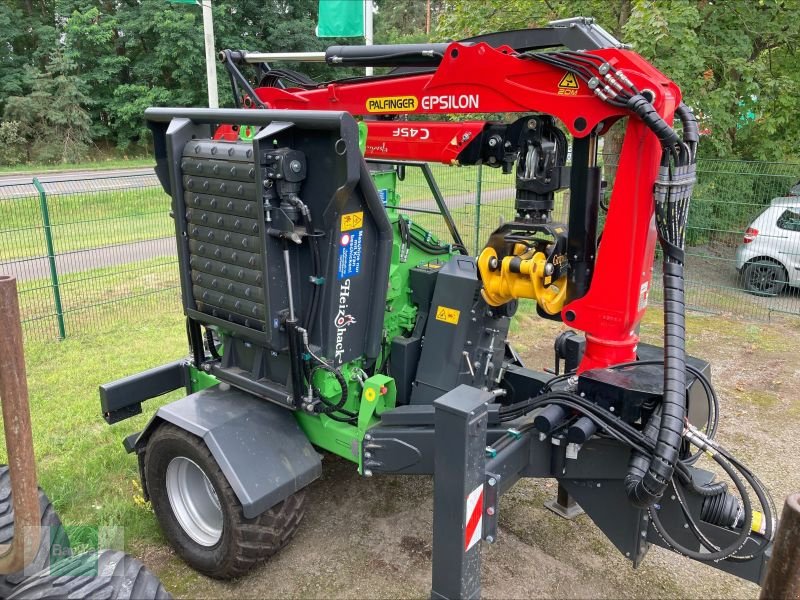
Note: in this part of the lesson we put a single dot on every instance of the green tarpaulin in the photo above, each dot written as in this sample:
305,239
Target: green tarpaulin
341,18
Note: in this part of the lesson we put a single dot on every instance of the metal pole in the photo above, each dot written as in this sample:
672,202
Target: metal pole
478,210
783,571
459,473
19,439
211,59
51,257
368,29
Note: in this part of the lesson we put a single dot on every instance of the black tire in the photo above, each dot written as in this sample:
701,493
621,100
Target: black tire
764,277
243,542
107,574
54,541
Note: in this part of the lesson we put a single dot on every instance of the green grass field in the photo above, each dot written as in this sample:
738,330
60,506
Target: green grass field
83,220
96,165
95,219
81,462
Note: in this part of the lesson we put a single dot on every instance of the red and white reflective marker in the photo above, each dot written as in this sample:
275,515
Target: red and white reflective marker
474,518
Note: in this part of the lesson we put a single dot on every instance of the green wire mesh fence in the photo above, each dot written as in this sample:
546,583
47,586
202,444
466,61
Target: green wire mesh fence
87,251
84,250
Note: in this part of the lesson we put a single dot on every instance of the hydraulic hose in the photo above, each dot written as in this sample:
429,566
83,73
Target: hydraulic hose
646,485
672,193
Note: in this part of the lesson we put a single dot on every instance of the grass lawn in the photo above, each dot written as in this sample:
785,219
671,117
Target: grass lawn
92,299
112,163
81,462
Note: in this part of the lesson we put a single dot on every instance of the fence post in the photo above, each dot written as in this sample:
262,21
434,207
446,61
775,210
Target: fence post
51,257
478,210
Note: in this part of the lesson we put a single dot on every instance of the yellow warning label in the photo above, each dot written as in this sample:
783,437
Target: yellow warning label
568,86
370,394
392,104
354,220
448,315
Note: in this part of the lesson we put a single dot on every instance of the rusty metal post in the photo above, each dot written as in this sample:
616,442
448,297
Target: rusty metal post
783,571
19,438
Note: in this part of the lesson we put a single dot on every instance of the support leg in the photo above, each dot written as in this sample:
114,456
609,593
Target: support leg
458,482
564,505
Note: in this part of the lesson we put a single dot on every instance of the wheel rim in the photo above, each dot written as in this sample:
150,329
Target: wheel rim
764,278
194,501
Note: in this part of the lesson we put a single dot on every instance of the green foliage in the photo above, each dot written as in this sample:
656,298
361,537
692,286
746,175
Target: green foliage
12,144
52,118
732,59
735,61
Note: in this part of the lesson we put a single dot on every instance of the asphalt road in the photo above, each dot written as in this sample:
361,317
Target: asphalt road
95,258
74,182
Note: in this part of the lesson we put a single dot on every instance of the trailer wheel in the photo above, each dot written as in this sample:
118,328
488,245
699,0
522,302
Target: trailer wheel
107,574
54,542
200,514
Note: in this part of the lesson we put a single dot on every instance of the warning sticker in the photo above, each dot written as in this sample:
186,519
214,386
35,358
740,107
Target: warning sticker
473,522
354,220
350,254
448,315
568,86
644,293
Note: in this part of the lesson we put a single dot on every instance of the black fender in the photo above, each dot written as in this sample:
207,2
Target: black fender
259,446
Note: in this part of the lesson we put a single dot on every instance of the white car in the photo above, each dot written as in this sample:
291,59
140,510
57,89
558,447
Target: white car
769,257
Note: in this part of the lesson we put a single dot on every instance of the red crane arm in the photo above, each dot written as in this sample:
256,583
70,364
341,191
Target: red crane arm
479,78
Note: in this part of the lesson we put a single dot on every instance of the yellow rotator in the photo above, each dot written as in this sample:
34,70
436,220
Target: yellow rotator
521,276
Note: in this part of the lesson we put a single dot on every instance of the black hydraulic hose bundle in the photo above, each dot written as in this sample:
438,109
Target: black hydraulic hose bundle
648,477
650,473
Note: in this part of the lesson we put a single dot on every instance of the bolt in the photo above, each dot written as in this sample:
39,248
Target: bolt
490,539
492,482
367,473
367,454
296,166
531,123
368,436
548,269
490,510
492,142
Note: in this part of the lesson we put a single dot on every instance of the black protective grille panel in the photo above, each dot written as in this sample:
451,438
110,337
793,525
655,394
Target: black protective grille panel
225,235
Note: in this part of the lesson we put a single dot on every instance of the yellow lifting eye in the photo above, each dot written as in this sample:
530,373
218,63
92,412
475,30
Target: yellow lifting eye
520,276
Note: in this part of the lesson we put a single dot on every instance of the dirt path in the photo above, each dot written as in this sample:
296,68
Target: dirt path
371,538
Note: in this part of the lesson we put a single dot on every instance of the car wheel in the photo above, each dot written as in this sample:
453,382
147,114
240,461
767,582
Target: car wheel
764,277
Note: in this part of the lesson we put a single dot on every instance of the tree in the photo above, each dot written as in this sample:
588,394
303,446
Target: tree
729,58
52,119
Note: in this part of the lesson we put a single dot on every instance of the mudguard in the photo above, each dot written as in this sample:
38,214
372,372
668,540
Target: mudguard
259,446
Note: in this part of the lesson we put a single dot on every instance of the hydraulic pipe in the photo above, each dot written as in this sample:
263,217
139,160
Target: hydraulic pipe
260,57
783,573
19,438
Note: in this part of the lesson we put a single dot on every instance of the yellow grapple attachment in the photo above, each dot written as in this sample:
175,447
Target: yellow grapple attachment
522,275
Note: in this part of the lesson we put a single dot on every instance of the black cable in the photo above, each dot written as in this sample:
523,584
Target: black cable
313,305
732,548
212,346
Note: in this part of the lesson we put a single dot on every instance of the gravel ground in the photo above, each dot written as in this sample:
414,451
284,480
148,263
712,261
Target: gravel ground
371,538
